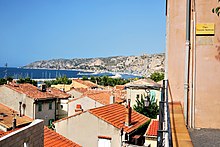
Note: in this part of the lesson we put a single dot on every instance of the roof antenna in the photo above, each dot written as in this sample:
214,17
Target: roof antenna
6,70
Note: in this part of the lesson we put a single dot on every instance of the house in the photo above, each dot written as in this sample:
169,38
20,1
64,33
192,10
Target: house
76,92
110,125
193,70
18,130
10,119
92,99
78,83
142,88
151,133
33,102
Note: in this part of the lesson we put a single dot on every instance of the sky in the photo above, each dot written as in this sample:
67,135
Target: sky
32,30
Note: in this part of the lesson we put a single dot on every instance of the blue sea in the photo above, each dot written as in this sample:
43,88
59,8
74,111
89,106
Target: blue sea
17,73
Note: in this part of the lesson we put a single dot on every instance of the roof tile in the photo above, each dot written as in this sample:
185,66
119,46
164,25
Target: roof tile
152,128
114,114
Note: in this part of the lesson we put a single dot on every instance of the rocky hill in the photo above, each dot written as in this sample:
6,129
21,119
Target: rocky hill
143,65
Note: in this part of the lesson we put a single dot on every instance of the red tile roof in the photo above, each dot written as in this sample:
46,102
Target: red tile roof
114,114
7,115
81,90
147,82
102,97
152,128
33,92
86,83
58,93
51,138
54,139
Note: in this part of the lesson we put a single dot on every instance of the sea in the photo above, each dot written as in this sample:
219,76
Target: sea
38,74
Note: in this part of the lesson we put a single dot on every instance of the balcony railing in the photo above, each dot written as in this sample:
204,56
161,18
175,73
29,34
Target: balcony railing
164,134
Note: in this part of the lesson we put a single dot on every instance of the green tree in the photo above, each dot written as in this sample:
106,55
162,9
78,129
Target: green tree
84,78
3,81
157,76
27,80
216,10
151,110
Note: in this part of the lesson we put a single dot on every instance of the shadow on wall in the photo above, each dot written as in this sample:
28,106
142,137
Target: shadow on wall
217,57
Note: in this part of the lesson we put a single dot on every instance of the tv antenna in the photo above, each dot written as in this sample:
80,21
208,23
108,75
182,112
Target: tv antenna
6,70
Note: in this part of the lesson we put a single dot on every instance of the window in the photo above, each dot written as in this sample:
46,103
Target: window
50,105
61,106
39,106
104,141
137,96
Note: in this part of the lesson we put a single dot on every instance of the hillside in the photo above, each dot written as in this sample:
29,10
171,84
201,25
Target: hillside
144,64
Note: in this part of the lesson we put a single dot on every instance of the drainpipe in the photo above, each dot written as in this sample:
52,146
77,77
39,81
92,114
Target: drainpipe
187,55
194,69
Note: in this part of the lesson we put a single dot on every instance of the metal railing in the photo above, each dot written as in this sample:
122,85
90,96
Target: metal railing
164,134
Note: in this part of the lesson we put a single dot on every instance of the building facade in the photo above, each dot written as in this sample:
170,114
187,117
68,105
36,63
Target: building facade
201,102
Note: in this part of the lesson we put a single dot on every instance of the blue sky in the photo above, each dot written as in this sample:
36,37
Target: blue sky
49,29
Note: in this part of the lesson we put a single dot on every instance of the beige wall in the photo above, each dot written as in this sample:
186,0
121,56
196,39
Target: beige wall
85,102
207,61
94,127
12,98
32,135
74,93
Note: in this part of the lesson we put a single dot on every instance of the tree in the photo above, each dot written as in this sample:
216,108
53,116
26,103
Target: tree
157,76
151,110
84,78
217,9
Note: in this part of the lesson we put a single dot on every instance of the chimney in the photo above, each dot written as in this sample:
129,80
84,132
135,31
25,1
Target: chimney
128,114
14,123
112,99
78,108
43,88
20,108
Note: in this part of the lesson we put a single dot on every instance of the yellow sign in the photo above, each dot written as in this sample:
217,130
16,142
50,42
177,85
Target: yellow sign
205,29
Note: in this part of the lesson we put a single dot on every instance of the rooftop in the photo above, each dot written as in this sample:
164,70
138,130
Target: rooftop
143,83
102,97
81,90
152,128
33,92
7,115
85,82
114,114
58,93
54,139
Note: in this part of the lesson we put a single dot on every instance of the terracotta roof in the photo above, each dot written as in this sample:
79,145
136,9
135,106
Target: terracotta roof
114,114
147,82
85,82
58,93
51,138
120,87
152,128
81,90
7,115
33,92
102,97
54,139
